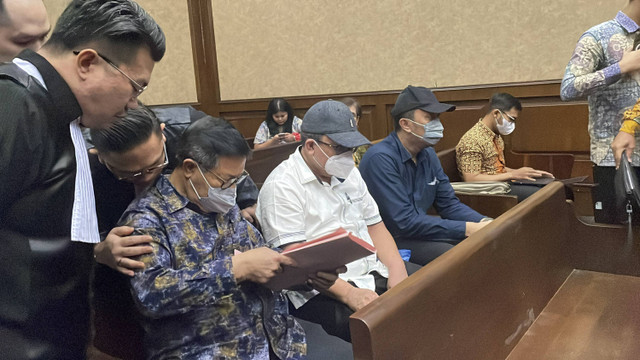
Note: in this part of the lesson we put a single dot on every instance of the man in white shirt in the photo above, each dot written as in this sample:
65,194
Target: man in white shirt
313,193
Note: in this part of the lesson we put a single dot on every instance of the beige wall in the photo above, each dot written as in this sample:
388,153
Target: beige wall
173,80
292,47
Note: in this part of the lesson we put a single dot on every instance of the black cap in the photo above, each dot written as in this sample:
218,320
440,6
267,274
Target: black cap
419,97
334,119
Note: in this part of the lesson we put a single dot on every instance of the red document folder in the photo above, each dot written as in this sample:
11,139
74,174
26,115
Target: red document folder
323,254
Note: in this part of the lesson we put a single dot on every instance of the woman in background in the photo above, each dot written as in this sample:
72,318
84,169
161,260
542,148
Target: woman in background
280,125
356,110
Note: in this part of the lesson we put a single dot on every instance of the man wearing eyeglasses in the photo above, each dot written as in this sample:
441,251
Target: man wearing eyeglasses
480,151
128,158
316,191
405,177
48,222
199,292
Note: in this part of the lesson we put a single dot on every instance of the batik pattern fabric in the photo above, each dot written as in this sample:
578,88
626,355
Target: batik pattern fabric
593,72
632,114
191,305
480,151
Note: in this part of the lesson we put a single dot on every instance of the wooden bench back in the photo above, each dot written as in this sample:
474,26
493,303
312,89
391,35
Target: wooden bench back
263,161
448,161
478,299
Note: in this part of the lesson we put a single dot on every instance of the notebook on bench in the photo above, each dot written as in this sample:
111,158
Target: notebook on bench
546,180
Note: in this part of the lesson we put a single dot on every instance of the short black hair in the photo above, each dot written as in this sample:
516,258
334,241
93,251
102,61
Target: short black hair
118,27
306,136
504,102
206,139
128,132
409,114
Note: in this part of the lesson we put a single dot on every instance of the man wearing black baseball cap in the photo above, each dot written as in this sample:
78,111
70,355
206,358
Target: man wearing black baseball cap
315,192
404,176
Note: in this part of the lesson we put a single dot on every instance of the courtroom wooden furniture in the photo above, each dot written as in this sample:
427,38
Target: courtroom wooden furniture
263,161
478,300
489,205
559,164
593,316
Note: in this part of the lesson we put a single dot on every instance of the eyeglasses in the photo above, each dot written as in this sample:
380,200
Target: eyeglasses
137,88
230,182
339,149
511,118
143,172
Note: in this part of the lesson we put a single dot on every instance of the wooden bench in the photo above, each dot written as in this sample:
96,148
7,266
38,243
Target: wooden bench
489,205
263,161
478,300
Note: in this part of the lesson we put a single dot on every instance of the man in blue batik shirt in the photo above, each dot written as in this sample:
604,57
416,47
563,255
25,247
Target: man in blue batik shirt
605,69
200,293
405,178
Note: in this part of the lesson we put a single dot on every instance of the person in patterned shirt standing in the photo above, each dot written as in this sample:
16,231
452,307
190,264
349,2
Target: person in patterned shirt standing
604,68
480,151
200,293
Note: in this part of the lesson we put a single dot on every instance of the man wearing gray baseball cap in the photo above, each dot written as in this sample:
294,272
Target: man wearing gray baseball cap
315,192
405,177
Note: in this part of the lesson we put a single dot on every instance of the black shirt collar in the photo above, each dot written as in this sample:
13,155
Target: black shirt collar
58,89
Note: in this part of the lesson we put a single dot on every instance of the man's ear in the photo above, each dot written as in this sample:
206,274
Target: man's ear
189,167
404,125
162,126
309,145
84,61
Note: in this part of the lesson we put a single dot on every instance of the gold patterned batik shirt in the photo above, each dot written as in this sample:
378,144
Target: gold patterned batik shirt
480,151
191,305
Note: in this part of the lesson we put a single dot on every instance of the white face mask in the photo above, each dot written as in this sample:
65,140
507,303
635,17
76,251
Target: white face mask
339,165
218,200
507,126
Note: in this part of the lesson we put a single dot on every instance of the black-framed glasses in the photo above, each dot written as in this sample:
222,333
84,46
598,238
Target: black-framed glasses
137,88
230,182
146,171
339,149
511,118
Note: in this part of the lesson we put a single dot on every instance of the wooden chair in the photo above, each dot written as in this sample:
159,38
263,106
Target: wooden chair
263,161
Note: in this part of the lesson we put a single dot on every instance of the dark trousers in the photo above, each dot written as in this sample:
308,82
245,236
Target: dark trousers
332,314
606,208
523,191
423,251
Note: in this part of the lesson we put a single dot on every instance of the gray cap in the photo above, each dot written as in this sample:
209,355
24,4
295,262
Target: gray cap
334,119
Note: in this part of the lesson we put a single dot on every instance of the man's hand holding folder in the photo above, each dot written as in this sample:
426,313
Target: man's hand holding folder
259,265
328,255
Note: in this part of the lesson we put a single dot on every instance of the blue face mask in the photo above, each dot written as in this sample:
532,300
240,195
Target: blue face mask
433,131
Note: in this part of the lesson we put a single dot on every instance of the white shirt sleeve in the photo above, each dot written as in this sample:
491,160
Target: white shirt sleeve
281,213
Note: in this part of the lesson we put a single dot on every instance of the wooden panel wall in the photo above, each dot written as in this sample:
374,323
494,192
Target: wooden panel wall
546,123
